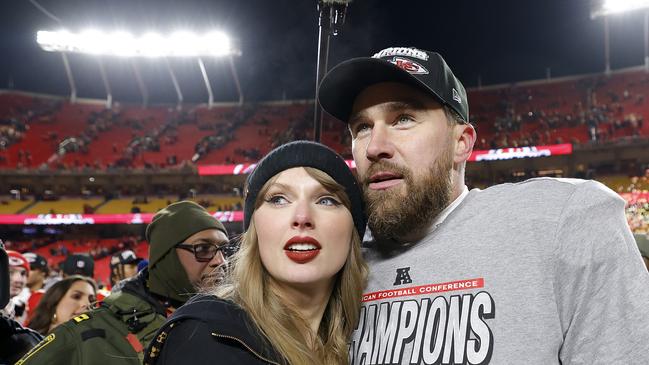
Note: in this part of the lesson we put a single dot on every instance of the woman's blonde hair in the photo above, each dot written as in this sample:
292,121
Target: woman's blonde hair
249,285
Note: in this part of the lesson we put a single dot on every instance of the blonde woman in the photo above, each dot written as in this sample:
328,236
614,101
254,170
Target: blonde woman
294,290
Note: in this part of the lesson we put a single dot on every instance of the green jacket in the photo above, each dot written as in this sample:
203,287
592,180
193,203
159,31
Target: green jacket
115,333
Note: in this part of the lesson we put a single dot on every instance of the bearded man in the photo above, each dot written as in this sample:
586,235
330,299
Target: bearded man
541,272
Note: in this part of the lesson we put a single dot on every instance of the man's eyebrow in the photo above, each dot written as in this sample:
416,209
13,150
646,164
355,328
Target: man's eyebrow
411,104
394,106
207,240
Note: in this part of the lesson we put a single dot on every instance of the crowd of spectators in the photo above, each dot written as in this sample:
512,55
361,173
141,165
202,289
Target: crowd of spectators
15,122
601,110
224,132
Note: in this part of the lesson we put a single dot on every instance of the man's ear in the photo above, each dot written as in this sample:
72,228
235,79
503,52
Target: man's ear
465,137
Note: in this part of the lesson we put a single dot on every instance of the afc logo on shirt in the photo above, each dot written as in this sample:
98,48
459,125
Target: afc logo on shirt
403,276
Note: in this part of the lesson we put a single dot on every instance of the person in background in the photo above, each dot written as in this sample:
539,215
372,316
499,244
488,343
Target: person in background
294,291
15,340
63,301
84,265
185,244
123,265
39,271
19,269
545,271
78,264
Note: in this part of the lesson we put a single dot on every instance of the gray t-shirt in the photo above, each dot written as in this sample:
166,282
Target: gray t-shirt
540,272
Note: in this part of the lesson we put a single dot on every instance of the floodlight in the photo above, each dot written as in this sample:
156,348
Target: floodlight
122,43
92,41
608,7
183,43
152,45
218,44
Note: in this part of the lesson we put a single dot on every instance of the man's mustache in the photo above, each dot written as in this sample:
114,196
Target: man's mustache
385,166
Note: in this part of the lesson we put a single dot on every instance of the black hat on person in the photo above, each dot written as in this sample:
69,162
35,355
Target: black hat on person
79,264
125,257
36,261
424,70
305,154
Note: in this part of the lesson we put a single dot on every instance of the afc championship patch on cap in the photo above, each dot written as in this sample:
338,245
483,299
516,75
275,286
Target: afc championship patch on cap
423,70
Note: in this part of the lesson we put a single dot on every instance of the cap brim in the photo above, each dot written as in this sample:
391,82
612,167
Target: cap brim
340,87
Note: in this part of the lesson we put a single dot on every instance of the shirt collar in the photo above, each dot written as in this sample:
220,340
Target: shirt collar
442,216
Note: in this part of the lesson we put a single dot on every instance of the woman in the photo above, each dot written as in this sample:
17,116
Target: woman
294,290
63,301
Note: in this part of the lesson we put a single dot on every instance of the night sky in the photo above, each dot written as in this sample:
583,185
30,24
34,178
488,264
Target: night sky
500,41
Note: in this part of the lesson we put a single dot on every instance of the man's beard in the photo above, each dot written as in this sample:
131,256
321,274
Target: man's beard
394,214
212,279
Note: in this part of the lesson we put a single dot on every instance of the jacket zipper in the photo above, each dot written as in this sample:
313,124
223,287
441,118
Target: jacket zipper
246,346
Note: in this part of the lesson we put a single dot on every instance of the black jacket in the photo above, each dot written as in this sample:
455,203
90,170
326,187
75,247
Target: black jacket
208,330
15,340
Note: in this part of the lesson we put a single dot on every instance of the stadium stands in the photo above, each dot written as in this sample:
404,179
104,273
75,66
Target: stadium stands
578,110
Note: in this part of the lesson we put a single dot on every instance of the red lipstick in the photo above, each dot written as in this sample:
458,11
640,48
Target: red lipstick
302,249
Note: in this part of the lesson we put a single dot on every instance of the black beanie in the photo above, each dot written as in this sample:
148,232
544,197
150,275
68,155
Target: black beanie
305,154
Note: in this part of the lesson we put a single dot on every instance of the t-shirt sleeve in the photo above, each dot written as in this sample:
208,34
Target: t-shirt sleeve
601,284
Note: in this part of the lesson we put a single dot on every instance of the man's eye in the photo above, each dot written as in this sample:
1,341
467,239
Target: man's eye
329,201
204,248
360,128
404,119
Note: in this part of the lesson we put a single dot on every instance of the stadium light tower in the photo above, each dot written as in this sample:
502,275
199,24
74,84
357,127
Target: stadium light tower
331,19
149,45
606,8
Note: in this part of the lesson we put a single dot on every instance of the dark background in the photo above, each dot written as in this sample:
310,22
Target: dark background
498,41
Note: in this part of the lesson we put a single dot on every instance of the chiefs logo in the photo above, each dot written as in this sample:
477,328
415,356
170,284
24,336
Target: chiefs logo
409,65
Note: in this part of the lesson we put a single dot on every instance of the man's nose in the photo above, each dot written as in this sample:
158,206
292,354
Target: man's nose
380,145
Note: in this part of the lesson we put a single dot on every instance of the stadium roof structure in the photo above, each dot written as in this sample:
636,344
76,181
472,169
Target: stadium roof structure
606,8
149,45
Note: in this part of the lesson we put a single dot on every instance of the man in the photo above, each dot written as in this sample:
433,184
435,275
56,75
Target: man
185,247
78,264
643,245
123,265
18,272
38,272
540,272
15,340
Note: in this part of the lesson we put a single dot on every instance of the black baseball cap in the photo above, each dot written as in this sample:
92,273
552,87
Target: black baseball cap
79,264
36,261
424,70
124,258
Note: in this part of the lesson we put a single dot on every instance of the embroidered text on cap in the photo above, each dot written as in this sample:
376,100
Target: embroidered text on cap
402,51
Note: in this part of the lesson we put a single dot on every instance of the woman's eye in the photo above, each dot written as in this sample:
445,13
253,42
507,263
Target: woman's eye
329,201
76,297
277,200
